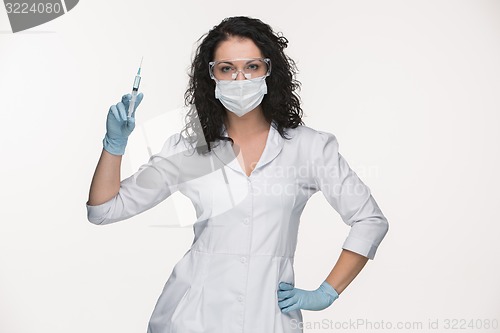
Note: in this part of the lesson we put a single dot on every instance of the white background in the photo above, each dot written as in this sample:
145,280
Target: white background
410,88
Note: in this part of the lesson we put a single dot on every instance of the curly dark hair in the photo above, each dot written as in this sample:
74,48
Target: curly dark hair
206,114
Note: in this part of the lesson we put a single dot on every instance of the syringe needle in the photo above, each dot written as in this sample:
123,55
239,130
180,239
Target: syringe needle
135,88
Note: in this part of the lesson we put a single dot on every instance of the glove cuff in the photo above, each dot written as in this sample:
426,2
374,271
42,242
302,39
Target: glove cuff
328,289
114,146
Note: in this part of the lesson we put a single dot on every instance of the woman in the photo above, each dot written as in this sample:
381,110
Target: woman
251,167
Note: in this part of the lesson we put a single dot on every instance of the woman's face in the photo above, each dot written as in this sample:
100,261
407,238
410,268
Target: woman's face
237,47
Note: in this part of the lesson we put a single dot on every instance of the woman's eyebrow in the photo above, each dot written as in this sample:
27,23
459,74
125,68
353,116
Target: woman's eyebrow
248,61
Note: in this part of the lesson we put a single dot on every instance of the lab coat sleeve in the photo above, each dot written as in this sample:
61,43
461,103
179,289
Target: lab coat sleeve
151,184
349,196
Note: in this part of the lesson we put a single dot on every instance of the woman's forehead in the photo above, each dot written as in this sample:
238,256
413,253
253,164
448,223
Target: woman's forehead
237,48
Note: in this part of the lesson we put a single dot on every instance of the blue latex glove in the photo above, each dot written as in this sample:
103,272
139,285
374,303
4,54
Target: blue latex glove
290,298
119,126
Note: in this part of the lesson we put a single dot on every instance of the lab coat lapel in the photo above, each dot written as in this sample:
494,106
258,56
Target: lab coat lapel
274,144
225,154
273,147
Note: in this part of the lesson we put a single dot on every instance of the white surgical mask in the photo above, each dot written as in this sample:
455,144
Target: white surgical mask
241,96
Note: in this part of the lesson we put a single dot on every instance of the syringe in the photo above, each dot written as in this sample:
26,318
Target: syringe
135,88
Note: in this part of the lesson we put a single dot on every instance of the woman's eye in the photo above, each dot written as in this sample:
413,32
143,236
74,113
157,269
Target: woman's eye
226,69
253,67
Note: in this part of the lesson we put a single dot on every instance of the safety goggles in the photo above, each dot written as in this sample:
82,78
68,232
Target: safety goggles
250,68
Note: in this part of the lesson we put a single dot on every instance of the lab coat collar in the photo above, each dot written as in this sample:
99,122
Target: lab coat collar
274,143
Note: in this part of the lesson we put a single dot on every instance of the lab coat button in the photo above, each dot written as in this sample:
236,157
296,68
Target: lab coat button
243,259
240,298
246,220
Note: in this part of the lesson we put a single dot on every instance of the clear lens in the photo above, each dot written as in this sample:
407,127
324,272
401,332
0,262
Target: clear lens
249,68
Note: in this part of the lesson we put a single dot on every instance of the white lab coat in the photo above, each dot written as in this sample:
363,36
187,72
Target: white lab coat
246,230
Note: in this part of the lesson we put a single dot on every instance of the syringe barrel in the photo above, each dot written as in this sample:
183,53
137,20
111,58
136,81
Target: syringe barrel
137,81
131,104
